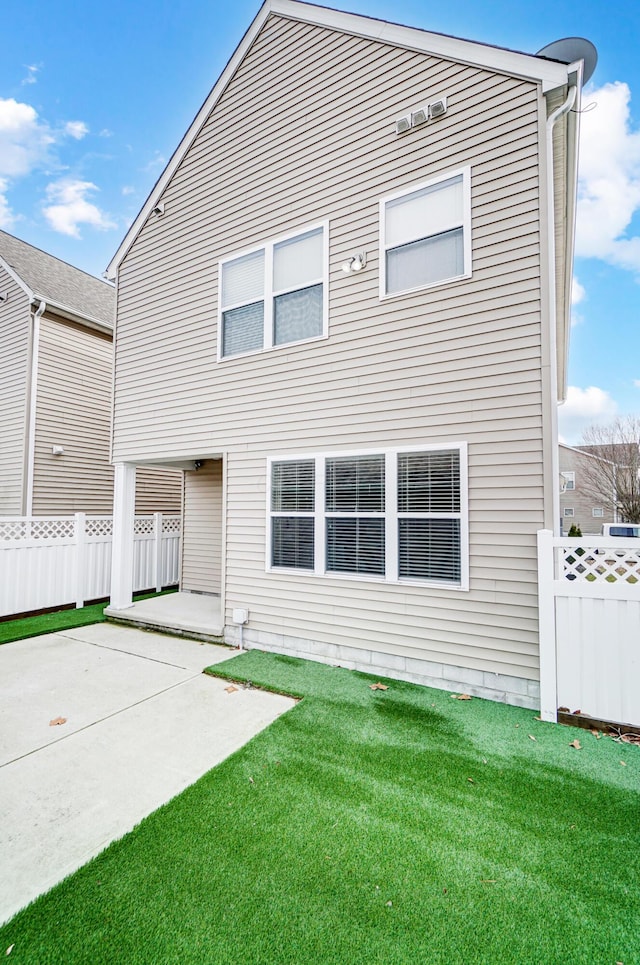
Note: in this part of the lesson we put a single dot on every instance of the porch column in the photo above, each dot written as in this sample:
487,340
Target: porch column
124,507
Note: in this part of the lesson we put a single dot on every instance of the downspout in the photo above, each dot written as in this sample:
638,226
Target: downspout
33,392
553,321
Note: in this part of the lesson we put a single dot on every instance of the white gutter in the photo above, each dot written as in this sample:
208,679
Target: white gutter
81,319
553,321
33,392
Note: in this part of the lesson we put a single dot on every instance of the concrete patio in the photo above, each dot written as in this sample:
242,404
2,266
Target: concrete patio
141,723
190,614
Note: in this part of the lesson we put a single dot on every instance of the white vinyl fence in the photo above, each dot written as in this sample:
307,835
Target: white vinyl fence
53,561
589,594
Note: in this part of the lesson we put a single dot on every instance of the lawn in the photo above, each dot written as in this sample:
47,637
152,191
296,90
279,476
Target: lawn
379,826
12,630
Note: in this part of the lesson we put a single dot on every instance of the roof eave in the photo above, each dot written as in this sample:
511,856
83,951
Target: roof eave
550,74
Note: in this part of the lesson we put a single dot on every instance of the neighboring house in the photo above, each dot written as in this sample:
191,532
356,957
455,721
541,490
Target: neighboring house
56,359
350,309
578,506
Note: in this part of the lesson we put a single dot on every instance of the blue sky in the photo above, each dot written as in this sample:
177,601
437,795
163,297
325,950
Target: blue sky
95,98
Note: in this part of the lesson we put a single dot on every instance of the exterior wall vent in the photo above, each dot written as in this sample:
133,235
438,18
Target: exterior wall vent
421,116
438,108
403,124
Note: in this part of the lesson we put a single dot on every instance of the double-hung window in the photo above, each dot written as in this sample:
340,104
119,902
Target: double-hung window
426,234
397,515
274,295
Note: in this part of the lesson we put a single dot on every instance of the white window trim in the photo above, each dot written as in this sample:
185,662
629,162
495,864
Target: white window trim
390,515
269,293
570,476
597,512
466,231
569,512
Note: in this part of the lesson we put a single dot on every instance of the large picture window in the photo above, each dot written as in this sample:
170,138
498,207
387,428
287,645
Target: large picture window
274,295
426,234
396,515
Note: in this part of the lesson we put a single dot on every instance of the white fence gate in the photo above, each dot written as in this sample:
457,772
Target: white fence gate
589,597
53,561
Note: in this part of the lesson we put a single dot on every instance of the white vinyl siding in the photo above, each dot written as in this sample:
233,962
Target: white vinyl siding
391,515
456,361
275,295
426,234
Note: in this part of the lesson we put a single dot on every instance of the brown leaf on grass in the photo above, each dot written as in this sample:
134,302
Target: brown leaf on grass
389,904
488,881
251,781
576,743
596,733
462,697
624,763
10,949
231,689
471,780
57,721
378,686
537,718
532,738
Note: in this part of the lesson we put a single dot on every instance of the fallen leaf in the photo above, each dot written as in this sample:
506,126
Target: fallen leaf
537,718
471,780
488,881
532,738
624,763
10,949
484,760
251,781
389,904
576,743
378,686
444,891
57,721
462,697
231,689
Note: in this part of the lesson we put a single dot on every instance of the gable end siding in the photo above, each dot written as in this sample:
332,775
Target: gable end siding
291,143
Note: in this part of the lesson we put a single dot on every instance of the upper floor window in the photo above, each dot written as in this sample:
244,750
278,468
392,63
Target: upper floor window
570,480
274,295
426,234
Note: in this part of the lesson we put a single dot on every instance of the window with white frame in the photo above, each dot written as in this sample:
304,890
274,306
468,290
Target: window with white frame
569,511
570,480
274,295
397,515
426,234
597,512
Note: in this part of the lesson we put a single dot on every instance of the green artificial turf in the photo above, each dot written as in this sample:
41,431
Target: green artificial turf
12,630
369,826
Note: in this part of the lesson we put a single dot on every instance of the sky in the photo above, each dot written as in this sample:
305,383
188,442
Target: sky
95,98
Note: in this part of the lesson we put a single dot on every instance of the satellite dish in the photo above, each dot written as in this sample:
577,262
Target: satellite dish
571,49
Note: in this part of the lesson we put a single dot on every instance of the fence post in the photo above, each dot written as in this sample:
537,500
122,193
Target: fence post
80,535
547,627
157,534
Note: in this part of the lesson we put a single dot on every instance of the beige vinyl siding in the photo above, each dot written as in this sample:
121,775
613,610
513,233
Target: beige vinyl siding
578,499
202,530
14,380
158,490
289,144
73,410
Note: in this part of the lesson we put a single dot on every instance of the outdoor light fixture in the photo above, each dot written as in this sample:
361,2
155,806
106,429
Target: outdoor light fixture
356,263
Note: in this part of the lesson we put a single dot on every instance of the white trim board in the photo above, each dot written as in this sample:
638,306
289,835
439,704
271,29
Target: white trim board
550,74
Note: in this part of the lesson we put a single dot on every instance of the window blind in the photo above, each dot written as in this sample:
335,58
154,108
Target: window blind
428,211
243,279
297,262
355,484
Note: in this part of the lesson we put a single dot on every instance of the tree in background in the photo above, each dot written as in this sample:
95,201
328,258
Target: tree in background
615,474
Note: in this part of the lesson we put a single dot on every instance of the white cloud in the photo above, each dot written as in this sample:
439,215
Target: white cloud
31,78
636,382
6,215
127,189
70,208
609,179
77,129
105,132
577,292
24,138
584,407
